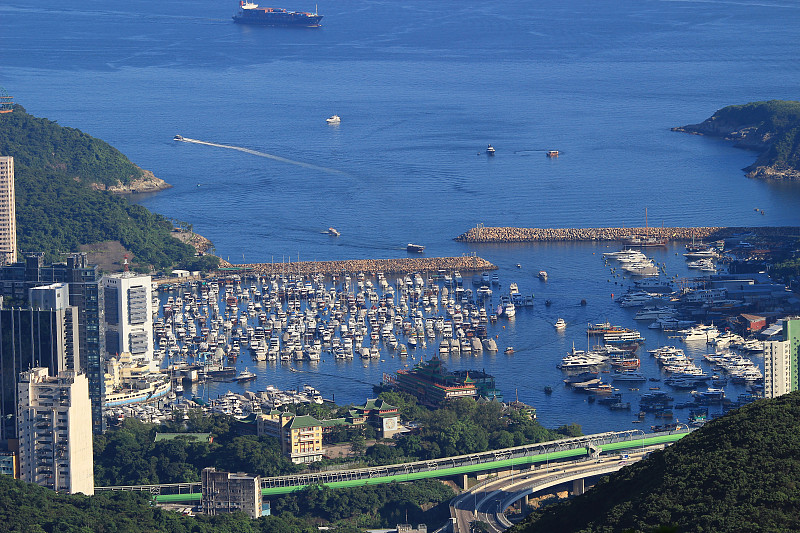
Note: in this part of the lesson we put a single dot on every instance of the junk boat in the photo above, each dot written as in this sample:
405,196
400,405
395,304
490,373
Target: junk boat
250,13
416,248
333,119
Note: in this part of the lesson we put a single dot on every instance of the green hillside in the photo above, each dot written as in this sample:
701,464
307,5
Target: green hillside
58,209
738,473
772,128
27,508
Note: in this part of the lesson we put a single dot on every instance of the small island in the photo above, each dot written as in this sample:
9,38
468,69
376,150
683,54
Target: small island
771,128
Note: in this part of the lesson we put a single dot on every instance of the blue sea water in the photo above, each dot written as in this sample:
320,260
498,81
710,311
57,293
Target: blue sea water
422,88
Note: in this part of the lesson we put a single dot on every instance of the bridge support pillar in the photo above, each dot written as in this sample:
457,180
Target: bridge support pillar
464,482
523,503
578,487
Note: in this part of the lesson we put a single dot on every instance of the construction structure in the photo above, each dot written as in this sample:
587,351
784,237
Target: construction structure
224,492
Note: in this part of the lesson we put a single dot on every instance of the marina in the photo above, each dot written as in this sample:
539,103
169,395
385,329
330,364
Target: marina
345,333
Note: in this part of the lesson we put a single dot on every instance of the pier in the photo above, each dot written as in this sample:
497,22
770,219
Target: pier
481,234
400,265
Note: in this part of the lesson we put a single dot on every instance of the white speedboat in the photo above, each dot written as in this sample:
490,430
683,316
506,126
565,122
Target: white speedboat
333,119
543,275
560,324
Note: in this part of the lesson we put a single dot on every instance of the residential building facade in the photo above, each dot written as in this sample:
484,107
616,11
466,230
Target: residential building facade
55,431
224,492
8,214
128,319
85,293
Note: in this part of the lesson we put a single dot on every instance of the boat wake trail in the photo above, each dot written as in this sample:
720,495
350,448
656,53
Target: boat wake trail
268,156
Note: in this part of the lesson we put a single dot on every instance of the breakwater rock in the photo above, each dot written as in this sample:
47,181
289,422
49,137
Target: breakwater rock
387,266
483,234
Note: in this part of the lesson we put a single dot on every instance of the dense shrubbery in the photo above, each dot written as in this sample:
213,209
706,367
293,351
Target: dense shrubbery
26,508
128,455
57,210
424,501
43,144
738,473
464,426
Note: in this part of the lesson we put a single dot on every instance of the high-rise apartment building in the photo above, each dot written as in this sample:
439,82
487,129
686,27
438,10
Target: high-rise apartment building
55,431
781,361
86,294
32,338
8,212
128,318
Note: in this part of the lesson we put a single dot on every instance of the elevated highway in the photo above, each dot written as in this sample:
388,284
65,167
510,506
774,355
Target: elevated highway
487,501
458,466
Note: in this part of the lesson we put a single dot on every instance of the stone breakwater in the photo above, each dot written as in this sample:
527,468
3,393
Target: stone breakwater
506,235
387,266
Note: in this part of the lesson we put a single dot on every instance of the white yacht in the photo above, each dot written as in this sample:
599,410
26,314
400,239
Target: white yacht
560,324
333,119
509,310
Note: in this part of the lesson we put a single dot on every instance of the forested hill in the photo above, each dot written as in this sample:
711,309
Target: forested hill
738,473
772,128
58,206
43,144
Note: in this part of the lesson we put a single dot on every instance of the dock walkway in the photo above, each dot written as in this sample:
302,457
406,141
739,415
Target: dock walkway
481,234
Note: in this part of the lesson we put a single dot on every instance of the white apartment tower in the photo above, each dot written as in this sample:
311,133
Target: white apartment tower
777,368
8,212
54,423
129,320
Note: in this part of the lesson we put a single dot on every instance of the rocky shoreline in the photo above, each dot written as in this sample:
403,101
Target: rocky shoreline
401,265
147,183
483,234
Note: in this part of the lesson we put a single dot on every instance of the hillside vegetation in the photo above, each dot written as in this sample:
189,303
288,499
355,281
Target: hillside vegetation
738,473
58,206
772,128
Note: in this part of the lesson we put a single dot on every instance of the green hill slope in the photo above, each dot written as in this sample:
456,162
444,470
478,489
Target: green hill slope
738,473
57,172
772,128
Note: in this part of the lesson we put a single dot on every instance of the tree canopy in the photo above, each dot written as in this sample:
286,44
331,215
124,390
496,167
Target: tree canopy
58,209
737,473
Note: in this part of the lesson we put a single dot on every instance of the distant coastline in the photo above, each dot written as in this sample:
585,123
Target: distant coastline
770,128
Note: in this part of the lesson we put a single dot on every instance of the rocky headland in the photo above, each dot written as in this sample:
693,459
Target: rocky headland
771,128
148,182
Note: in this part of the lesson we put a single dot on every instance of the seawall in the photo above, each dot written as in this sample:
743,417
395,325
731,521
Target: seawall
387,266
482,234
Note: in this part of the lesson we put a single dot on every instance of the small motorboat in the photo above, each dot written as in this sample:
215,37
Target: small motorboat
415,248
543,275
560,324
333,119
333,232
245,375
509,350
177,138
490,150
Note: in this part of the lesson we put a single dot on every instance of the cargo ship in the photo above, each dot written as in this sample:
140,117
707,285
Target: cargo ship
250,13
